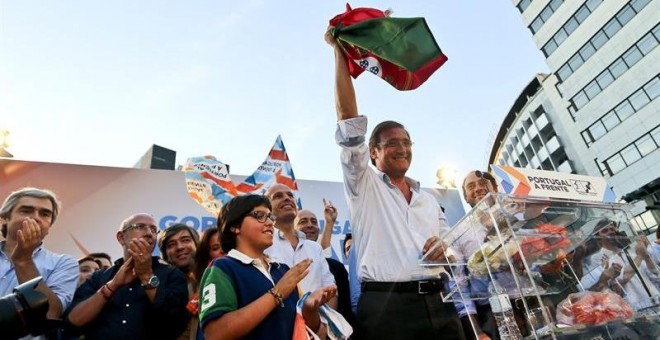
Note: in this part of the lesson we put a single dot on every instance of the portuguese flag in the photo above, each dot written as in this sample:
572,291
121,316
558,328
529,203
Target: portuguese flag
402,51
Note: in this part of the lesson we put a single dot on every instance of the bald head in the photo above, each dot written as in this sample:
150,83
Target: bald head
284,203
137,226
307,222
476,185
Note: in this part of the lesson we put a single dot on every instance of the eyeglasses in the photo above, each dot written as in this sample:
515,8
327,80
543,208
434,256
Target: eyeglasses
262,216
142,227
393,143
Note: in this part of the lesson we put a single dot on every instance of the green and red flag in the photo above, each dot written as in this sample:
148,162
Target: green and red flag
402,51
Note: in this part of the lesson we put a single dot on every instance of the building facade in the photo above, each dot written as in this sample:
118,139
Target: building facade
601,97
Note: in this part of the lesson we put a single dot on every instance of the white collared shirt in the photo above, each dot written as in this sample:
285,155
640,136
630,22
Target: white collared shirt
319,274
237,254
634,291
389,233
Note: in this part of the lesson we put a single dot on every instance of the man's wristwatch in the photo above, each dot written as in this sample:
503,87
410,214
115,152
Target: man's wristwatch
152,283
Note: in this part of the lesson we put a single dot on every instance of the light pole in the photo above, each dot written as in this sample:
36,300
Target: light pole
4,144
446,177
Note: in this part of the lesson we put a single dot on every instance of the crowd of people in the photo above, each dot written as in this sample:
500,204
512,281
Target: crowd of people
265,272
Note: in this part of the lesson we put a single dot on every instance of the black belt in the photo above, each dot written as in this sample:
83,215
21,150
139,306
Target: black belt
422,287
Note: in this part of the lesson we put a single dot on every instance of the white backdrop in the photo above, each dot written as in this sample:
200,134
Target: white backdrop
96,199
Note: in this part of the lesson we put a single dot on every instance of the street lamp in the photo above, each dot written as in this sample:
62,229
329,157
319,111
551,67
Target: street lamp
446,177
4,144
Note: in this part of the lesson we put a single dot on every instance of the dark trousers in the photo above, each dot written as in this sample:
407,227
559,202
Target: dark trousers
399,315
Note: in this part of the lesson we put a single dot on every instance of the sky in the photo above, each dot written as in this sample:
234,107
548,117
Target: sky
99,82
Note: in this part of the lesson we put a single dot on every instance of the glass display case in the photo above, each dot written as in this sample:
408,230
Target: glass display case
554,269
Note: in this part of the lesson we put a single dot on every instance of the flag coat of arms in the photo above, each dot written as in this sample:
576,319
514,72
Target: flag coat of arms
402,51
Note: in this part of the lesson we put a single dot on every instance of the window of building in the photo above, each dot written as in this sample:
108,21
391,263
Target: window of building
618,68
580,100
638,5
604,79
582,14
599,39
656,135
624,110
564,72
587,51
592,4
632,56
646,145
522,6
647,44
545,14
639,100
549,47
571,25
592,90
597,130
560,36
611,28
645,222
554,4
586,137
575,62
630,154
615,164
610,120
653,88
625,15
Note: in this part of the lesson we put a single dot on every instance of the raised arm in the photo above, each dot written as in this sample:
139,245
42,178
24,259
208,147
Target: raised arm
345,101
330,214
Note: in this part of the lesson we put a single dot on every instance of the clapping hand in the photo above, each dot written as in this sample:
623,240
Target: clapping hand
29,237
292,277
140,251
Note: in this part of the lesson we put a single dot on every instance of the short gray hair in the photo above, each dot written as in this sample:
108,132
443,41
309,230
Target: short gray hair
12,200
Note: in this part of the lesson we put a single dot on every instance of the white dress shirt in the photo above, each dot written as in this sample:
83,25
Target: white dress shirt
389,233
634,291
319,274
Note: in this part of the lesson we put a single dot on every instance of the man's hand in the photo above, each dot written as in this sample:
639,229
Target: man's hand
610,272
28,239
290,280
434,249
140,252
329,38
329,212
124,276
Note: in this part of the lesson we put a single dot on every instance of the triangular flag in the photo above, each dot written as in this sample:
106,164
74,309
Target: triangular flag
275,169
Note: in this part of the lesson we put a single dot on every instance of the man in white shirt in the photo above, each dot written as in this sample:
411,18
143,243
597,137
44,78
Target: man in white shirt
465,242
290,246
614,267
394,223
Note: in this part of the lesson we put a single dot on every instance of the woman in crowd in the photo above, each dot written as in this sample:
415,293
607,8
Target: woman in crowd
209,249
244,294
